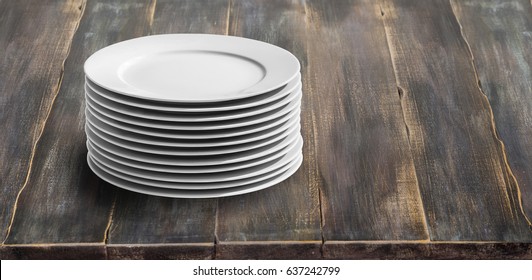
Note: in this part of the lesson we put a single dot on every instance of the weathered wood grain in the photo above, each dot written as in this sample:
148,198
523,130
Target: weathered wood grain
143,219
434,251
31,60
288,212
63,202
359,140
269,250
401,126
54,252
189,16
465,183
181,251
500,36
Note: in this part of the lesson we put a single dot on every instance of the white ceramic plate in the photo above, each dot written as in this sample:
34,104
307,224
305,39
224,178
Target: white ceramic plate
198,185
145,176
195,160
243,131
93,132
260,118
175,142
191,67
201,107
174,193
171,167
191,117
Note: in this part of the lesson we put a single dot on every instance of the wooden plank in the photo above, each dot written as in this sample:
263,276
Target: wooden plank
362,154
269,250
167,251
423,251
54,252
63,202
289,211
499,34
466,187
141,219
35,36
189,16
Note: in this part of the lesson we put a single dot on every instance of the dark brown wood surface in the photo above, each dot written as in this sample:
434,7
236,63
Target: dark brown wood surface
35,37
499,34
63,202
415,116
364,165
467,188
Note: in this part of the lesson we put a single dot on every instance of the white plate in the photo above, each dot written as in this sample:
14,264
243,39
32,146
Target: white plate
174,193
191,67
92,132
175,142
201,107
145,176
260,118
172,167
197,160
199,185
208,134
190,117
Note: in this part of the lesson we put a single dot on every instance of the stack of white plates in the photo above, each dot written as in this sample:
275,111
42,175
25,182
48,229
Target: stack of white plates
193,115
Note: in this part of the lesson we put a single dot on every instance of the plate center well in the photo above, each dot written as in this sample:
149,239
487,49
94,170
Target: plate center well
194,74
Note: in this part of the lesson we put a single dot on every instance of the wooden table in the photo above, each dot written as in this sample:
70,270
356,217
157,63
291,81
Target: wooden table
416,115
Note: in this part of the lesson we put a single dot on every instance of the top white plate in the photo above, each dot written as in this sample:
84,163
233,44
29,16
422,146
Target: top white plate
191,67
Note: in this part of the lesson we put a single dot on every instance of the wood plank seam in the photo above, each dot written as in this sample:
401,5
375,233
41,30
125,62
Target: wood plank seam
492,118
314,129
227,19
216,238
313,121
110,222
152,14
42,126
400,92
321,222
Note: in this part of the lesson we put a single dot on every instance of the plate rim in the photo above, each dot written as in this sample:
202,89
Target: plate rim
226,158
174,143
142,138
290,61
197,194
283,162
152,116
177,107
136,146
199,169
141,129
282,111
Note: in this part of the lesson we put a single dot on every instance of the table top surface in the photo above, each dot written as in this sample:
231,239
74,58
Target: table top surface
416,116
